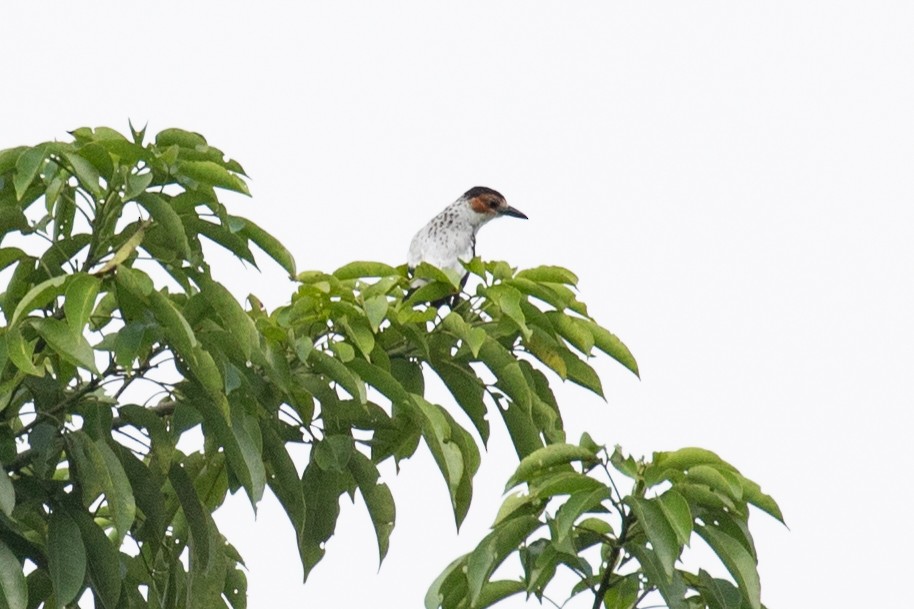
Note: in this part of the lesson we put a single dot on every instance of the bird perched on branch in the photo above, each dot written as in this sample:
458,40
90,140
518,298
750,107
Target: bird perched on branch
450,237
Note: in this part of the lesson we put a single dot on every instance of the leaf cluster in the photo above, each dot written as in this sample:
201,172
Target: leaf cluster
136,394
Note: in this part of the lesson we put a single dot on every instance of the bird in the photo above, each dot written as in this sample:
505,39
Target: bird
449,239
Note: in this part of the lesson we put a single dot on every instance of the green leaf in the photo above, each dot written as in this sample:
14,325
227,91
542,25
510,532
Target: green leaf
79,302
99,470
753,494
7,493
212,174
546,458
623,593
672,588
12,581
573,329
85,172
493,550
718,593
495,591
66,557
27,166
676,510
22,352
165,216
659,531
234,318
378,499
72,347
609,344
577,504
467,389
679,461
507,370
126,250
137,183
39,296
195,514
358,270
376,310
179,137
338,372
322,508
268,243
103,559
508,301
436,431
549,274
738,560
9,255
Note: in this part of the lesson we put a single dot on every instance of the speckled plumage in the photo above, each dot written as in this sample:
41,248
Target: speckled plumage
450,237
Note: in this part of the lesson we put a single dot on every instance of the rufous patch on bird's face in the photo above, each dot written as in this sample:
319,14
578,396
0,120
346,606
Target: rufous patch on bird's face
487,203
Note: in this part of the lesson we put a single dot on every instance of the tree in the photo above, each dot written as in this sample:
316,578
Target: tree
117,342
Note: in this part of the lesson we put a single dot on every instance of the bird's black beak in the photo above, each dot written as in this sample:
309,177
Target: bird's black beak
514,213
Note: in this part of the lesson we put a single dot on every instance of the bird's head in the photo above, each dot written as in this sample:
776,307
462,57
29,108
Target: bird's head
488,204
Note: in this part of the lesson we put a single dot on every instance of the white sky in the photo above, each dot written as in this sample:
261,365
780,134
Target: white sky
732,181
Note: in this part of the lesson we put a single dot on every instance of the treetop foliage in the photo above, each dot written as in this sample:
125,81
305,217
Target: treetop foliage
118,347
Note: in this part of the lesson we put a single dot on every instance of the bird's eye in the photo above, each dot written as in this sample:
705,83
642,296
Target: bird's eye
493,204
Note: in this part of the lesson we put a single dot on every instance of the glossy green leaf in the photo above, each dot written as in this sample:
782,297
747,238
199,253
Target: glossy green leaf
467,389
12,580
71,346
376,310
164,214
437,434
719,593
659,531
212,174
378,499
338,372
103,559
676,510
66,557
358,270
623,593
82,290
573,329
39,297
546,458
126,250
753,494
7,493
27,166
549,274
493,550
85,172
738,560
99,470
507,370
671,587
269,244
137,183
195,514
508,301
608,343
322,508
179,137
577,504
21,352
234,318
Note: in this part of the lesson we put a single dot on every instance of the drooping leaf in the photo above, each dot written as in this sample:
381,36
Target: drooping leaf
212,174
66,556
269,244
71,346
12,581
493,550
659,532
546,458
358,270
39,297
7,493
738,560
79,302
378,499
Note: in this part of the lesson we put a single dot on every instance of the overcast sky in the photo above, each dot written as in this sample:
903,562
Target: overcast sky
732,182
